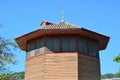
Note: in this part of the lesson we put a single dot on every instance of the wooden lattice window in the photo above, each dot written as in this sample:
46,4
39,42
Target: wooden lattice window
68,44
53,44
93,49
30,50
56,44
40,46
83,46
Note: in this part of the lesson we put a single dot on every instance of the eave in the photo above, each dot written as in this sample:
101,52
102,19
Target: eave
102,39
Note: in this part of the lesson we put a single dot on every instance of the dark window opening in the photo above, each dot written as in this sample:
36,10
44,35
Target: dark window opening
68,44
49,44
83,46
93,49
53,44
62,44
39,46
30,50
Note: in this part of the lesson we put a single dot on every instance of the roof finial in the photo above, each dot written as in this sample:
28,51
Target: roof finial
62,16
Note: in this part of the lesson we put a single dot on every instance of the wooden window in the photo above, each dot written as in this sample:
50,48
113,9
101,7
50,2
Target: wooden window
83,46
93,49
72,44
56,44
68,44
53,44
49,44
40,46
65,43
30,49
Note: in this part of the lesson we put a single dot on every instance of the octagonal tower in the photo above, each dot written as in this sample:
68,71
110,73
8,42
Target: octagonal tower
62,51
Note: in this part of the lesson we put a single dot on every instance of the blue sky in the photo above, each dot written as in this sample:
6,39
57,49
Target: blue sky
22,16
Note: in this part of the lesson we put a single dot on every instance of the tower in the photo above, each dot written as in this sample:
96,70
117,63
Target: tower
62,51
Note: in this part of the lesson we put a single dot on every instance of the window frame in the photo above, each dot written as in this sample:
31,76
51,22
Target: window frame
43,44
69,48
97,50
61,37
84,51
34,52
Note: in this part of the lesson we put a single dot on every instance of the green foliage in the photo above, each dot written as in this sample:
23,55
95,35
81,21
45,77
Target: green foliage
118,73
107,76
13,76
110,75
117,58
7,48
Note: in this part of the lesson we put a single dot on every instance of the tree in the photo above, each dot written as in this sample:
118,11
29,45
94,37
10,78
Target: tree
117,59
107,76
110,75
6,53
12,76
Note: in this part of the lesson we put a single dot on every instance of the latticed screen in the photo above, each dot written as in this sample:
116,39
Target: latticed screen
39,46
82,46
53,44
72,44
49,44
56,44
64,44
93,49
30,50
68,44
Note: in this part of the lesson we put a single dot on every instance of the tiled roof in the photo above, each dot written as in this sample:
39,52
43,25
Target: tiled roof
62,28
61,25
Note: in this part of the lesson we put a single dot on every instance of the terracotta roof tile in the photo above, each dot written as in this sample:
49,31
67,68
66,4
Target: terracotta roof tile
61,25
